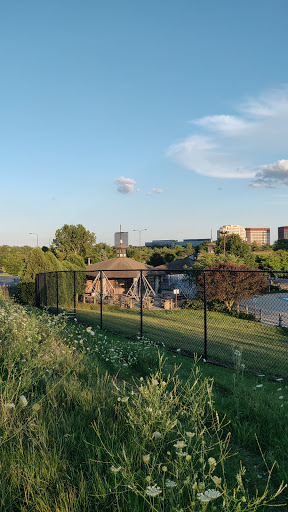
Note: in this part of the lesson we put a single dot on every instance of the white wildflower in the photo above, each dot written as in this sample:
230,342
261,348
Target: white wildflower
89,329
114,469
23,401
9,406
182,454
146,458
190,434
180,444
156,435
211,461
209,495
170,483
154,490
36,407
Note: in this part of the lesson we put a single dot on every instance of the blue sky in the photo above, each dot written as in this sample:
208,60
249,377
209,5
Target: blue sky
169,116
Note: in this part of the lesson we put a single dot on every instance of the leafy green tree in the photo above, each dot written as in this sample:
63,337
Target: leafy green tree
235,245
75,239
13,263
76,261
281,244
156,259
276,261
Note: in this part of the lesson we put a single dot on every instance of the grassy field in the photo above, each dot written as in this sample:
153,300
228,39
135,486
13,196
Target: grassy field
85,427
263,348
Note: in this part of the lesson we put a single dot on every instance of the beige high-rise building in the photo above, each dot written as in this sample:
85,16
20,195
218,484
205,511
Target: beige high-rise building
232,229
259,235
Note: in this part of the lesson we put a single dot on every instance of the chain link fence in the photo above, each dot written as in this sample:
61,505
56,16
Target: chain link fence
230,318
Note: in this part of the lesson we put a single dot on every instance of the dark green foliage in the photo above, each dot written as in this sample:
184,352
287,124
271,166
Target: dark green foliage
156,259
281,244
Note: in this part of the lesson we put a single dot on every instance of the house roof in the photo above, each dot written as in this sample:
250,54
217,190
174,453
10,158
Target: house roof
176,265
117,268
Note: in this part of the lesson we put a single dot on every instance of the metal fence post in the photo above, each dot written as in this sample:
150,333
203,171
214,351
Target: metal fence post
37,294
141,305
74,294
57,294
101,299
205,317
45,288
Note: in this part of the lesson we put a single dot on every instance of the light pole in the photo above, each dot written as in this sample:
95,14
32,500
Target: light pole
140,231
36,236
224,233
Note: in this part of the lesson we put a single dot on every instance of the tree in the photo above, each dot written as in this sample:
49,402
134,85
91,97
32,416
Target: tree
281,244
74,239
235,245
156,259
226,283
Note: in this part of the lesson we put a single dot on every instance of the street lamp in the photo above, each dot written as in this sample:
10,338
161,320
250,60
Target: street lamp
140,231
36,236
224,233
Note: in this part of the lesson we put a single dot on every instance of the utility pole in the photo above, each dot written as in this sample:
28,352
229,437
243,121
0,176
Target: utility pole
140,231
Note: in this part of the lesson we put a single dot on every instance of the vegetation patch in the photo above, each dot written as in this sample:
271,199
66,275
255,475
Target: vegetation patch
148,437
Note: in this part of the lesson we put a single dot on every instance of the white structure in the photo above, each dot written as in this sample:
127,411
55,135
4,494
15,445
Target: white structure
232,229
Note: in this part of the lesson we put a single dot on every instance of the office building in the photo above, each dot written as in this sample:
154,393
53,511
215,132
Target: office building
232,229
259,235
283,232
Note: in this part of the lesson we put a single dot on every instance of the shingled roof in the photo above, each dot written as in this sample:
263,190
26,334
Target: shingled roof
117,268
176,265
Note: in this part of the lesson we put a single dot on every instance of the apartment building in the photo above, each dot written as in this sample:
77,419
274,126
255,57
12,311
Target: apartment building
259,235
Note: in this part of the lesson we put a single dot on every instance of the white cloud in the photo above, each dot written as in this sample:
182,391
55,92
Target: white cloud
271,175
157,190
125,185
223,123
235,146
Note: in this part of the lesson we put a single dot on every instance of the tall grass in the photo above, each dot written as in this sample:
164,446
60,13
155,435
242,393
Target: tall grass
75,439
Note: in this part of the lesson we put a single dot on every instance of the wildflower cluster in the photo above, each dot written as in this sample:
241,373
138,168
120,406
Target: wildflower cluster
181,451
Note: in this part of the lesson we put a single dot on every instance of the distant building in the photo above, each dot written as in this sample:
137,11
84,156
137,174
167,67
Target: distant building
259,235
161,243
193,241
171,243
232,229
121,236
283,232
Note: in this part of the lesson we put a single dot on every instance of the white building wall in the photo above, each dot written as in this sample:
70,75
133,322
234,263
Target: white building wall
232,229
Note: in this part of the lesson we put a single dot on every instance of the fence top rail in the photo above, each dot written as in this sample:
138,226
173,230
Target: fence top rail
182,271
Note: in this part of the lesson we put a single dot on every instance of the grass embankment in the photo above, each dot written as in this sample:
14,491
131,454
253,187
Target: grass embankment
264,348
72,441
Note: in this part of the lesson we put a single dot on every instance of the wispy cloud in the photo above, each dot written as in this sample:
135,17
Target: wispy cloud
125,185
239,145
157,190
